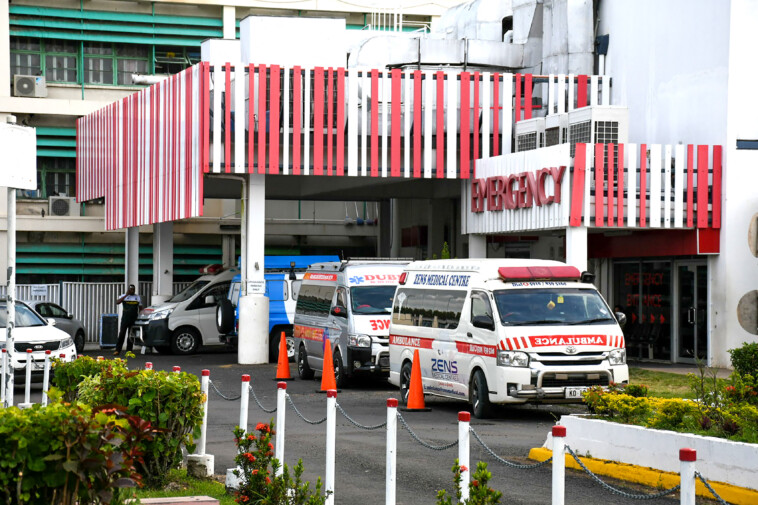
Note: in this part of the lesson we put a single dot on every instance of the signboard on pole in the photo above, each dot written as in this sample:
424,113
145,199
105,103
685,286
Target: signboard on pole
19,165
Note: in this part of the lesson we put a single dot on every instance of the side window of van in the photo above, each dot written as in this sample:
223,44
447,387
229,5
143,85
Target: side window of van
480,305
276,290
295,288
341,298
314,300
428,308
218,291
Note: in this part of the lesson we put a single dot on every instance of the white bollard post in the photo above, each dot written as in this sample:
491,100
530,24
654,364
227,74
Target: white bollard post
464,418
687,458
100,358
331,439
204,381
176,369
391,451
281,409
148,365
46,379
244,399
2,381
28,384
559,464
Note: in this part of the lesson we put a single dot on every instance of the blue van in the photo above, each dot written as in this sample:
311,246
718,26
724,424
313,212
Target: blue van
283,275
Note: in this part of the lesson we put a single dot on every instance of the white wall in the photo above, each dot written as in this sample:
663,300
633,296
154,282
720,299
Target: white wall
668,64
736,269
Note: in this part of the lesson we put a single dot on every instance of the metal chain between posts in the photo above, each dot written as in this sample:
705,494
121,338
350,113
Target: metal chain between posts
264,409
505,462
619,491
356,423
222,395
417,439
289,399
709,488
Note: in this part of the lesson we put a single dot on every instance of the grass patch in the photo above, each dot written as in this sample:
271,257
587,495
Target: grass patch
662,384
181,484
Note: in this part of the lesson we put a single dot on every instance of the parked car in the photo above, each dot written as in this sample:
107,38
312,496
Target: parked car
33,331
64,320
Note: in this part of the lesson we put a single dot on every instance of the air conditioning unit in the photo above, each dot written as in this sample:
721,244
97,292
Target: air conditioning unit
556,129
598,125
63,206
530,134
31,86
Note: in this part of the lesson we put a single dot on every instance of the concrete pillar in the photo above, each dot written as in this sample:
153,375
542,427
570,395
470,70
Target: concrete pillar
132,257
228,251
477,246
397,235
5,51
163,262
3,232
437,215
230,22
253,306
576,247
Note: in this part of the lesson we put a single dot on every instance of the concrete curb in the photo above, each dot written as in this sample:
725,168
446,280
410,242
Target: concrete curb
650,477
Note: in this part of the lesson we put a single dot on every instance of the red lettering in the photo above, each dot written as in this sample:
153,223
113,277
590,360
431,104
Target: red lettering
532,193
557,174
516,191
542,190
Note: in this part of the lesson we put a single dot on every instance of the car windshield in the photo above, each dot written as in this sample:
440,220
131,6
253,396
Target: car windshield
552,306
25,317
372,299
189,291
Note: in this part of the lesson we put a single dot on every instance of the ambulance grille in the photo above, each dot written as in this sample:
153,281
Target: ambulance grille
561,359
550,380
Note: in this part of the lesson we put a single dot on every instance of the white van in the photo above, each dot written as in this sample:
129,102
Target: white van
187,320
504,331
346,304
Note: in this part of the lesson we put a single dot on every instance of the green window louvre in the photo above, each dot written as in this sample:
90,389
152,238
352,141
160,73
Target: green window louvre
118,27
55,142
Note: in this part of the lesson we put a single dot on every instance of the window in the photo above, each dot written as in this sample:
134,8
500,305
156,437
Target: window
428,308
527,142
26,56
372,299
108,64
276,290
56,176
217,291
480,305
314,300
60,60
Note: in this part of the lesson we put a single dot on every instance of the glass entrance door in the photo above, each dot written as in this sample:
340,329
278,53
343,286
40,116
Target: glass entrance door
692,313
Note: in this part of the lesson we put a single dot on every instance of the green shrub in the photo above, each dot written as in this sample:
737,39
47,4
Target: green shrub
257,470
479,493
745,359
67,453
67,375
172,402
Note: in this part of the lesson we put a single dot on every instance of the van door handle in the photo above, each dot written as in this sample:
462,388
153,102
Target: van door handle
469,335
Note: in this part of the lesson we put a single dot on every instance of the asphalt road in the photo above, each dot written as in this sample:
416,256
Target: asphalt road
360,455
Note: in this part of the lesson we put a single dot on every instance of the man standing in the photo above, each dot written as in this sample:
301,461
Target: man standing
132,303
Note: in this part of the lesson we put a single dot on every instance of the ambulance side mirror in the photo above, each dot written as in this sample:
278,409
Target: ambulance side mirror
621,318
339,311
484,322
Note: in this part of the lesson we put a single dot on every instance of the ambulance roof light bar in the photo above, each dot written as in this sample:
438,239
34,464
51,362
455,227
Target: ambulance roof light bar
536,273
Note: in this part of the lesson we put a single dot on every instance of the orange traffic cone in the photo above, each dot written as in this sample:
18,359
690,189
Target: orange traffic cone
283,366
327,375
416,389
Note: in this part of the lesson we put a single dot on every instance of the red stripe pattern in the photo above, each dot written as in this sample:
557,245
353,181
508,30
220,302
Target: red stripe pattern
145,154
616,186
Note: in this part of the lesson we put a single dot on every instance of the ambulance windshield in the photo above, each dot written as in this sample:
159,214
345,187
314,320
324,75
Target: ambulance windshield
552,306
372,299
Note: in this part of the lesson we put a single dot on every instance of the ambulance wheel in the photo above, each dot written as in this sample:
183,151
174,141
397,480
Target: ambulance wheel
339,370
225,316
405,381
303,369
480,396
185,340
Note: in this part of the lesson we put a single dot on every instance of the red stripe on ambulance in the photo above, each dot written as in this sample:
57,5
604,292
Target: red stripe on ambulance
479,350
416,342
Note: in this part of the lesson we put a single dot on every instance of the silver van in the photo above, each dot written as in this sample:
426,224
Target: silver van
348,305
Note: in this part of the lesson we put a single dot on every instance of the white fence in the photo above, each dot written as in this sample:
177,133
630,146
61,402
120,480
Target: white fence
85,300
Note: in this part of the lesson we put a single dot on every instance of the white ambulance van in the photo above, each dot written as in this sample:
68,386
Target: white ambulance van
504,331
346,304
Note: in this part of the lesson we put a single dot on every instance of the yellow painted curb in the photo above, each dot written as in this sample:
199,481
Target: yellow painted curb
652,478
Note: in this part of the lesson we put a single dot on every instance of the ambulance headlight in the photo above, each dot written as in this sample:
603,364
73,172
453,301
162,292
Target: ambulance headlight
617,357
359,341
160,314
512,358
